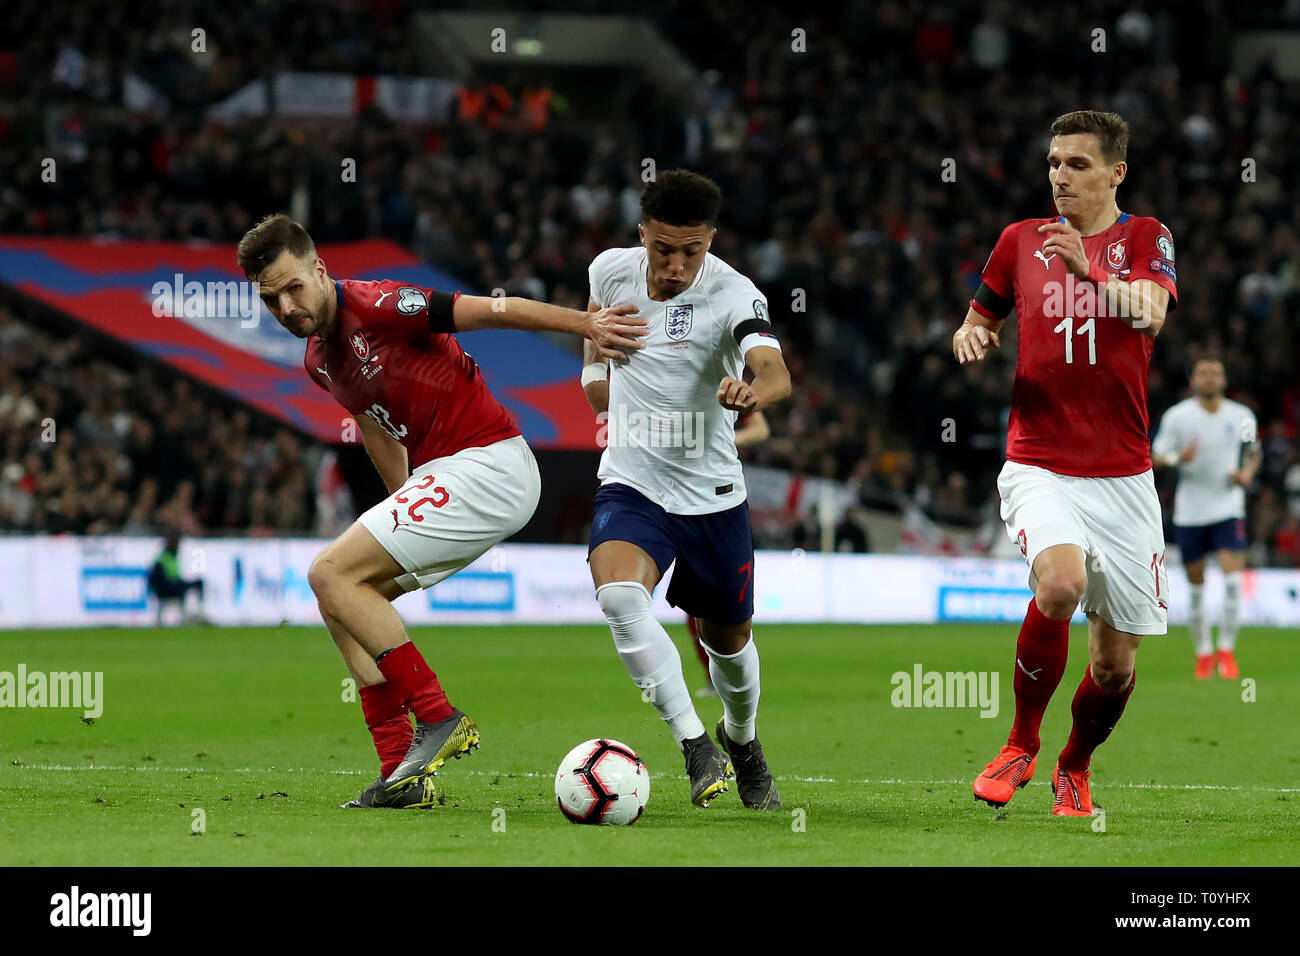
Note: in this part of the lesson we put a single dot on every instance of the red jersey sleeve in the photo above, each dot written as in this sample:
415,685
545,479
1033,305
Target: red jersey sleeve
403,307
997,277
1152,257
311,371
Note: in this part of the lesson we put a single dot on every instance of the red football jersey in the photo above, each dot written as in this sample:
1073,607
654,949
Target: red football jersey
420,386
1079,405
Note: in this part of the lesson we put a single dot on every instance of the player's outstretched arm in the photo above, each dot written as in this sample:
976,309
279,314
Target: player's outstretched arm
595,379
615,331
387,453
977,335
771,382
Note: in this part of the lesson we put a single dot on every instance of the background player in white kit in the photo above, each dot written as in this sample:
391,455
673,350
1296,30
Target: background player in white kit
1203,437
672,488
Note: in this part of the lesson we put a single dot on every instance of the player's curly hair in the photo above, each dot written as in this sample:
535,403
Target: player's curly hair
679,197
1110,129
271,236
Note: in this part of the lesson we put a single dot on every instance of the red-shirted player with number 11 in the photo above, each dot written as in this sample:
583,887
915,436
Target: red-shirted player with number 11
1090,289
386,351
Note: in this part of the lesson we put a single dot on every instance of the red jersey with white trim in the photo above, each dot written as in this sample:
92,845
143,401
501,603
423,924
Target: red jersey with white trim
1079,406
421,387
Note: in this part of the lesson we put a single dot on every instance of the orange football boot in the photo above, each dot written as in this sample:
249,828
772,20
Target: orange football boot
1228,665
1204,666
1007,773
1072,796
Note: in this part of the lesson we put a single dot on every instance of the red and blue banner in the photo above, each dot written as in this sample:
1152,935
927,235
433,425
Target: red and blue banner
211,327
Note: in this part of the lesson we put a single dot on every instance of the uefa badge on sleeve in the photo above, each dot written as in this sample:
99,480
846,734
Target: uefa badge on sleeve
678,321
410,301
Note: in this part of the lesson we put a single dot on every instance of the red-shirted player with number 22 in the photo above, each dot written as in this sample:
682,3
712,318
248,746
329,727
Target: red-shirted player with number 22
386,351
1090,289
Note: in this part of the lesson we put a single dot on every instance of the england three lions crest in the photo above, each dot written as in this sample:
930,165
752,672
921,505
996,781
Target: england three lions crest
678,319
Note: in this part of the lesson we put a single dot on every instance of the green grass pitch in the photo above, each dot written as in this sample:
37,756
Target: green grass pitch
250,727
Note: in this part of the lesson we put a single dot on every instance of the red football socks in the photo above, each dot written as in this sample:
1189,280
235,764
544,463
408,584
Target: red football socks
390,727
415,683
1095,715
1041,651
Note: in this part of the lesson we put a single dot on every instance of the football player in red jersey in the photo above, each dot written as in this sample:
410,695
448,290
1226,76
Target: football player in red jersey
387,353
1091,288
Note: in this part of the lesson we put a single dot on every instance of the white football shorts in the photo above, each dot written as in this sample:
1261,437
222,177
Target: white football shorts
1115,521
453,509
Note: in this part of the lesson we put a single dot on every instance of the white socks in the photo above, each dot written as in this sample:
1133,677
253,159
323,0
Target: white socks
650,656
735,678
1196,621
1231,610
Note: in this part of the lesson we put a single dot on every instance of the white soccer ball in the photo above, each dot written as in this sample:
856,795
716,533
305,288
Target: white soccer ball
602,781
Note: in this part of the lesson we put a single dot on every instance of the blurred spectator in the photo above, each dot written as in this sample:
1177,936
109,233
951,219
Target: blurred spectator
166,583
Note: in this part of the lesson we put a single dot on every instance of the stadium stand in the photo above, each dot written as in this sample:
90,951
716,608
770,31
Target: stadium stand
865,252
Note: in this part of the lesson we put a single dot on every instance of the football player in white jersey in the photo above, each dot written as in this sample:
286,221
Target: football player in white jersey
672,488
1203,437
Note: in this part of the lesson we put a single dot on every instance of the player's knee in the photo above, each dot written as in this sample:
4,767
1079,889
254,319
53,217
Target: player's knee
726,638
1059,591
1111,676
324,579
623,602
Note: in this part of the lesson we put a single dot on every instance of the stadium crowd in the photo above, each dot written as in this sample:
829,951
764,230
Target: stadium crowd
869,173
98,445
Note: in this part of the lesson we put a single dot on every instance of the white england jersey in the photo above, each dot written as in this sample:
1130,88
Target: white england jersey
1205,492
666,435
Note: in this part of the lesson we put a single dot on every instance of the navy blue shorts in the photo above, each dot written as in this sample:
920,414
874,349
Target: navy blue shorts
1196,541
714,578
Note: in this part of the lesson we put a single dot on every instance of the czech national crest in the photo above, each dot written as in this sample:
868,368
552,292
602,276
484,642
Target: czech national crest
360,345
679,321
1117,253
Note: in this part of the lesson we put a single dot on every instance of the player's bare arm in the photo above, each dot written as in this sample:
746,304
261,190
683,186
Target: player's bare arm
595,372
755,431
1141,304
977,335
1176,458
1251,459
771,382
387,453
615,331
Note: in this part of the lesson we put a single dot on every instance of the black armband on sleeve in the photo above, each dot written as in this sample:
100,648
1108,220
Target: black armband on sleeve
440,305
995,303
752,327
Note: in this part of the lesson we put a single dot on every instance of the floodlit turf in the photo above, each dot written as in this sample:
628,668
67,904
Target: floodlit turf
249,727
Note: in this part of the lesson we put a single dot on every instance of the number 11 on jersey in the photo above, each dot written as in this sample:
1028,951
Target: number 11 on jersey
1090,327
